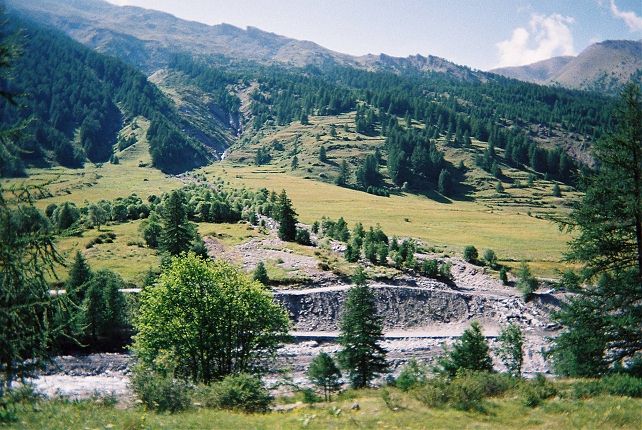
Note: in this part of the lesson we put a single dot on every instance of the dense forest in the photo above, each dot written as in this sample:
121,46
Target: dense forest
73,101
79,99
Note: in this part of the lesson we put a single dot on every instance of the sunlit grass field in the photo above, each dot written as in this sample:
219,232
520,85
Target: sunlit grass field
603,412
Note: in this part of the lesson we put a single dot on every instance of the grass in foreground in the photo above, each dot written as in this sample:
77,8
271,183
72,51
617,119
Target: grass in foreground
503,413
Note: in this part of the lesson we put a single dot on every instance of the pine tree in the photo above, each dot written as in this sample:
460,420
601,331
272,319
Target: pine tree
323,157
79,274
286,218
324,373
344,174
178,233
260,274
443,184
361,331
470,352
602,321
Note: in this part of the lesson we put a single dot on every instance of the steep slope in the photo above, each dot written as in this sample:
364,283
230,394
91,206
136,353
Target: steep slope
604,67
539,72
148,38
77,100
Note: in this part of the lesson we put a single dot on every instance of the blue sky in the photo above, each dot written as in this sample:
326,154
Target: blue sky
478,33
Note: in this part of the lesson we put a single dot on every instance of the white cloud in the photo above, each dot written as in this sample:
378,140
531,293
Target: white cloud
633,21
546,36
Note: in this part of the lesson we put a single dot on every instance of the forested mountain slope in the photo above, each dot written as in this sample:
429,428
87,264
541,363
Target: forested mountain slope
73,101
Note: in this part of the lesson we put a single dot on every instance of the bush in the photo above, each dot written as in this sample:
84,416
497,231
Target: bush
160,391
533,393
470,254
526,282
430,268
412,375
242,392
303,237
490,257
462,393
614,385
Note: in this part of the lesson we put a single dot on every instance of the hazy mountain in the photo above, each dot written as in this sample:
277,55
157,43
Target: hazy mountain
539,72
147,38
602,67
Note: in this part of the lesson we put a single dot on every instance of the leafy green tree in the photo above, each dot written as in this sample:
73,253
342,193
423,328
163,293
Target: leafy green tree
260,274
503,275
471,254
152,231
526,282
211,317
511,349
286,216
97,216
469,352
412,375
324,373
177,233
490,257
361,331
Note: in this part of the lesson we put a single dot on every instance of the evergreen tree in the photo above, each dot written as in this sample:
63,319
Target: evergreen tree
104,306
79,275
470,352
324,373
178,233
602,321
344,174
260,274
286,218
444,183
557,192
526,282
323,156
361,331
294,164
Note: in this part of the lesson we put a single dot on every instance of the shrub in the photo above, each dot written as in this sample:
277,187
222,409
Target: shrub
462,393
470,254
526,282
430,268
159,390
303,237
503,275
533,393
490,257
615,385
242,392
412,375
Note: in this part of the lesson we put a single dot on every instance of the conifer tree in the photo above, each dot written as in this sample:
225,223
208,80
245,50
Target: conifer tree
602,321
79,275
361,332
324,373
511,349
286,218
323,157
178,233
260,274
470,352
344,174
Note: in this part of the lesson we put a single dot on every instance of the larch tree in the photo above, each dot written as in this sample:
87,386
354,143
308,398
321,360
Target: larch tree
602,322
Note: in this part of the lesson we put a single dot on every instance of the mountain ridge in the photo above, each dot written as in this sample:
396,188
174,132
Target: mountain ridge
111,29
603,66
